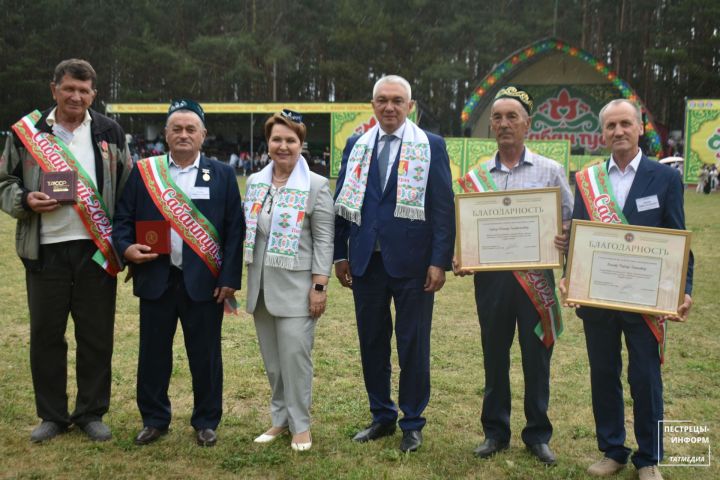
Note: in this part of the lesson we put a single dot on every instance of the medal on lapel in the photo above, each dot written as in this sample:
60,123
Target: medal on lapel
104,150
206,174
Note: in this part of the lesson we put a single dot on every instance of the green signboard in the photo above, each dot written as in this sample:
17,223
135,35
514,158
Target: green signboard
702,136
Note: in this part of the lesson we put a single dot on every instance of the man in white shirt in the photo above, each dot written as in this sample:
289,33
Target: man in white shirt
234,159
199,200
651,194
61,246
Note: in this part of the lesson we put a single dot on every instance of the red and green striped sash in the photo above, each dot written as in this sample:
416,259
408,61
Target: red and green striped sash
536,283
601,205
52,155
178,209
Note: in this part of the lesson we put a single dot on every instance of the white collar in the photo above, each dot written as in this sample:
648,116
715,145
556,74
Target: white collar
195,164
633,164
398,132
51,120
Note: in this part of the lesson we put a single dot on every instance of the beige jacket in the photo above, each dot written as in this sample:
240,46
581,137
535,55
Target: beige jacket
286,291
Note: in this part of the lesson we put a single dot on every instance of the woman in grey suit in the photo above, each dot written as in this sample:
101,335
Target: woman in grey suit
288,249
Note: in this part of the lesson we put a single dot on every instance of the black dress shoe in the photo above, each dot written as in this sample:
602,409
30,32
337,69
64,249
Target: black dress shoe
543,453
489,448
149,435
206,437
375,431
412,439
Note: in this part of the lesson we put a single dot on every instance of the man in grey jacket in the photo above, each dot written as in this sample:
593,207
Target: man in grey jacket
66,247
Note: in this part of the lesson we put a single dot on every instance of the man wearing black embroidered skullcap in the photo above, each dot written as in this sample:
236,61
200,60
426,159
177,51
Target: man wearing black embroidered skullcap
526,298
190,202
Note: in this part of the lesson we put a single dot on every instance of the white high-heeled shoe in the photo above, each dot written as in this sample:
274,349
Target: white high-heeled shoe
301,446
267,438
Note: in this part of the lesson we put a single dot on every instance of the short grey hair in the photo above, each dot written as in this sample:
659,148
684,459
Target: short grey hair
393,79
618,101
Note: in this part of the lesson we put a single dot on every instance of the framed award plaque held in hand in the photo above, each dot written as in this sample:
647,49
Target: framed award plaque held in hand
155,234
508,230
627,267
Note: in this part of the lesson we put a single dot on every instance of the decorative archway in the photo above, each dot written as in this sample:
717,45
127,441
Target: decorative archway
522,59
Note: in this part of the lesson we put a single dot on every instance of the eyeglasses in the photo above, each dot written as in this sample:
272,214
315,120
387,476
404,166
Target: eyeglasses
383,101
290,115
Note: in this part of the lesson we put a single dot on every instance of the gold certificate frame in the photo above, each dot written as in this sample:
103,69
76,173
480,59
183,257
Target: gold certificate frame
508,230
627,267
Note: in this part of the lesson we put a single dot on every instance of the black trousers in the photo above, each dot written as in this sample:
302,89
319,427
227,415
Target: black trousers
502,303
201,323
71,283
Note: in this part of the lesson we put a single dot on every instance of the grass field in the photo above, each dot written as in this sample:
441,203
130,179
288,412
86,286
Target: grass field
691,377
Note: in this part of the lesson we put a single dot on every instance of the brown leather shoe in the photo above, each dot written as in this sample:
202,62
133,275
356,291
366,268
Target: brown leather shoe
206,437
148,435
605,467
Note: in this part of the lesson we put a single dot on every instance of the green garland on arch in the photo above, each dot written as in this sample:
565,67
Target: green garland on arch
546,46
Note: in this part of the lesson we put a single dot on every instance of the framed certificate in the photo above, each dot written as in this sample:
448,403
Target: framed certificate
508,230
627,267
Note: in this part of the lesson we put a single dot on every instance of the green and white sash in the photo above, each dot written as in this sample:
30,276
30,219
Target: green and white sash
597,193
52,155
413,172
287,215
178,209
536,283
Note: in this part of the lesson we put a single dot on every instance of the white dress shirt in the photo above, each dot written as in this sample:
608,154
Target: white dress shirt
185,179
622,181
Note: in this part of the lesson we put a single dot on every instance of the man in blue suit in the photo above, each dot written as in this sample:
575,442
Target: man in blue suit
394,239
649,194
200,201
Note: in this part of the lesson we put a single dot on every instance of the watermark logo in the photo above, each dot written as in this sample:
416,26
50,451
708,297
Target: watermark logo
687,443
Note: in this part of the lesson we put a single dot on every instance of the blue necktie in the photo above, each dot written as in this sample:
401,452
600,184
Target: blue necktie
384,158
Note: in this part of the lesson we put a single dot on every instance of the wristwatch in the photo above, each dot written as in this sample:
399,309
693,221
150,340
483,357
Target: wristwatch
318,287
